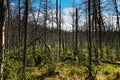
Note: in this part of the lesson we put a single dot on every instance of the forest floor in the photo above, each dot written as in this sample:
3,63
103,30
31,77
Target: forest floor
70,71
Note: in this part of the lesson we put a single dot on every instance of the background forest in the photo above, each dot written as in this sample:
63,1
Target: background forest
59,40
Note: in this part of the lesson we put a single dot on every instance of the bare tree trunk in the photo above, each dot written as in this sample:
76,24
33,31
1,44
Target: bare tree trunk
100,29
45,25
76,34
19,18
25,39
95,30
89,40
2,35
118,26
73,37
19,30
60,29
7,30
57,54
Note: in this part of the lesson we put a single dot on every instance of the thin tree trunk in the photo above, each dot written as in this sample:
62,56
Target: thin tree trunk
76,34
19,19
7,30
57,54
73,37
100,29
25,39
89,40
2,35
45,30
60,30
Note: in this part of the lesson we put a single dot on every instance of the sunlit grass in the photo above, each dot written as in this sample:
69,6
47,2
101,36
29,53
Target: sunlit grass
75,72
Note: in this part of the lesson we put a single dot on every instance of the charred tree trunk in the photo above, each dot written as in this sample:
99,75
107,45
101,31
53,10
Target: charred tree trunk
25,39
89,39
60,29
95,30
57,23
100,29
76,34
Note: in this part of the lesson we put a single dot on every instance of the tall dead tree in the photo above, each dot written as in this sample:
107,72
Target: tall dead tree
25,39
89,38
45,28
19,19
73,22
117,25
100,28
76,34
59,28
95,29
7,29
2,36
57,23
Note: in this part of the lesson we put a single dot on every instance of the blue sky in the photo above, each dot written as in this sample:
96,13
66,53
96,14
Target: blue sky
66,8
66,3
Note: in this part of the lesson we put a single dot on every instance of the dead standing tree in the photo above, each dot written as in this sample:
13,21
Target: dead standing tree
117,25
89,39
2,36
25,40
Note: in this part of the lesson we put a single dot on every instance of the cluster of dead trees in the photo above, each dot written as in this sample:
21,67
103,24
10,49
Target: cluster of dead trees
18,32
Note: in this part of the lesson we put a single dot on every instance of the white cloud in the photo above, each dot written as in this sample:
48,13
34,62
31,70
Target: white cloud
12,6
66,19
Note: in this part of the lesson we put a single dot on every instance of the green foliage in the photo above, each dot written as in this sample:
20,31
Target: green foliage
13,70
106,72
66,58
51,70
65,67
77,70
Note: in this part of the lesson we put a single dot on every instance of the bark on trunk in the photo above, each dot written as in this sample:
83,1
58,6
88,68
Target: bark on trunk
2,35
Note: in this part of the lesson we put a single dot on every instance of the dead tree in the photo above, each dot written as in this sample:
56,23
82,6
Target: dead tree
89,39
76,34
25,39
117,24
2,35
100,28
57,23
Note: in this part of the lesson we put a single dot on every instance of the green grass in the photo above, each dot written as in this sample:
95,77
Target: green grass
74,72
64,70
